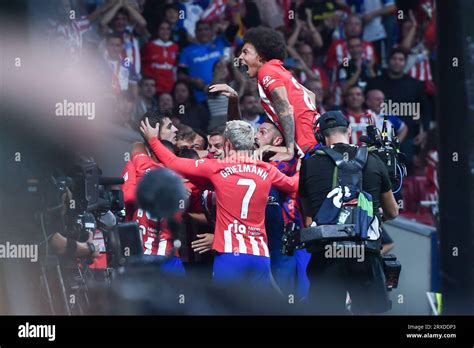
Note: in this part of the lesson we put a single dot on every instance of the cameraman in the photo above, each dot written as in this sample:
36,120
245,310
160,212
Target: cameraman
332,277
63,233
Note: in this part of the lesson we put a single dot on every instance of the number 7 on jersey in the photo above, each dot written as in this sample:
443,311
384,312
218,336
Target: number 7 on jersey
246,201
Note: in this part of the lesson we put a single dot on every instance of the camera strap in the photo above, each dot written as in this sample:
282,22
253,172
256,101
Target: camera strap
349,172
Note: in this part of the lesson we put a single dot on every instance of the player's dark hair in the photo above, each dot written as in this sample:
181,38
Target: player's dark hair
169,145
219,130
156,117
267,120
188,153
269,43
185,132
203,135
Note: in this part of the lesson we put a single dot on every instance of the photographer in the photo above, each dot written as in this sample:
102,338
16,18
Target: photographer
332,275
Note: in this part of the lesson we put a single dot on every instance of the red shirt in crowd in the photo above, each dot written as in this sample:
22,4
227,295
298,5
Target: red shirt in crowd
338,51
359,123
159,61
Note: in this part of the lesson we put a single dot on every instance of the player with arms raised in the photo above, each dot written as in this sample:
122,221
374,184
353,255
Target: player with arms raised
287,103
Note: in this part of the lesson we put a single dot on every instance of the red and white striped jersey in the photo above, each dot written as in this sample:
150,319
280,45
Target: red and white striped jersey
156,237
159,60
418,63
338,51
241,187
271,75
359,123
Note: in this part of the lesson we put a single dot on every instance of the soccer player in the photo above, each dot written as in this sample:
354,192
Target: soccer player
157,240
287,103
241,184
282,209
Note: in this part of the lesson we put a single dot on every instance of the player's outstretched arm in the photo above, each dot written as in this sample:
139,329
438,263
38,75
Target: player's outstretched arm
233,108
286,118
187,167
282,182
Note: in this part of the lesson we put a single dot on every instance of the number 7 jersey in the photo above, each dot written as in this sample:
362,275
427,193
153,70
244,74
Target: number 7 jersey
241,187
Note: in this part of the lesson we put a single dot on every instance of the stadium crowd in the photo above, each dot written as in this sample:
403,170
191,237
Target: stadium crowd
179,63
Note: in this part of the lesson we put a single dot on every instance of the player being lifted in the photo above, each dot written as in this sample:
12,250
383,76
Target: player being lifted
241,186
287,103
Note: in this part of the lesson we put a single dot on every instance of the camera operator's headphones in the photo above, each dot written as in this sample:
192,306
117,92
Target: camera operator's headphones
317,132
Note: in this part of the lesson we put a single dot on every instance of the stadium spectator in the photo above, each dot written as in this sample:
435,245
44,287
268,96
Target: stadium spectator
165,103
359,118
373,15
118,20
338,49
159,59
251,110
355,71
306,32
403,90
309,70
418,59
374,101
197,60
316,86
189,112
179,35
216,103
121,74
66,34
146,100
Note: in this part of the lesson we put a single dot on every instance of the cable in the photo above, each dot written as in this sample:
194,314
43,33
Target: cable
401,178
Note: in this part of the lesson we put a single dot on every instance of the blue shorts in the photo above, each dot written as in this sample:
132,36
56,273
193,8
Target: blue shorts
284,271
302,260
242,268
173,265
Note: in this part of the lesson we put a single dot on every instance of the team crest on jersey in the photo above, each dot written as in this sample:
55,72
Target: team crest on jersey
267,81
